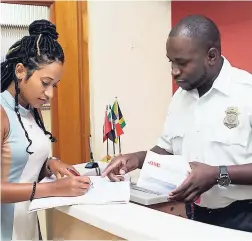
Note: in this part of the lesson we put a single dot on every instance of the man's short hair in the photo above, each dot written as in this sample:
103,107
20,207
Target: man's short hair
200,28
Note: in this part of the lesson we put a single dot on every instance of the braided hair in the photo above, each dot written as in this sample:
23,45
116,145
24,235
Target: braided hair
35,51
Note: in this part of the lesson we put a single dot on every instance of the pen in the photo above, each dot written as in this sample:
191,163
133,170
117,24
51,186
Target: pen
73,172
76,174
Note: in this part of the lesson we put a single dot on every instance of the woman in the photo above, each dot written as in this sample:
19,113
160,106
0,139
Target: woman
33,67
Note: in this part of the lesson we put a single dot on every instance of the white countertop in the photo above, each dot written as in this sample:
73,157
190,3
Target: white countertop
134,222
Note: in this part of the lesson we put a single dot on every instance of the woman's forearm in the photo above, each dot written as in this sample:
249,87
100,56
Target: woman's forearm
18,192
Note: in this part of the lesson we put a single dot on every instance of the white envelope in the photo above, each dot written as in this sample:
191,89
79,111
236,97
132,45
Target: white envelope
163,173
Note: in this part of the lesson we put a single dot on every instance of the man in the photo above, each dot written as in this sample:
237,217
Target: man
209,122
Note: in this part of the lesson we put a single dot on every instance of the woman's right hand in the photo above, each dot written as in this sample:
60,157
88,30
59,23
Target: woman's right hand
71,186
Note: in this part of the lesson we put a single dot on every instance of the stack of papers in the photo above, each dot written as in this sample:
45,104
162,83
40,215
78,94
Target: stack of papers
103,192
163,173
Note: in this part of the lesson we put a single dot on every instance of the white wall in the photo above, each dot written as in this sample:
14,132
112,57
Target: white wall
127,60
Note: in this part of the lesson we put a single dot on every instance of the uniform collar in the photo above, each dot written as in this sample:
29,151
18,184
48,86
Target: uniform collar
222,82
10,100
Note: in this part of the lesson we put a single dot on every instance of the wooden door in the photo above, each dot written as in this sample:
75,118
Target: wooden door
70,107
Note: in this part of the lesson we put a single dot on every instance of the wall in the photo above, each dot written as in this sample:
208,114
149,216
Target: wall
234,20
127,59
46,114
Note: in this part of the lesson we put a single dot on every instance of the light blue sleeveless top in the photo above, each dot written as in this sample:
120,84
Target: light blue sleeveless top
17,166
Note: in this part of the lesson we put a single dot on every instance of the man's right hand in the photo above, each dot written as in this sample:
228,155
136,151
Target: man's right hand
121,165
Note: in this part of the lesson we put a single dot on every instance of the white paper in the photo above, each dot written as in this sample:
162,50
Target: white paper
163,173
102,192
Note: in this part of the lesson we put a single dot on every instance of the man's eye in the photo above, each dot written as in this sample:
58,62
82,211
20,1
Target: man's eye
182,63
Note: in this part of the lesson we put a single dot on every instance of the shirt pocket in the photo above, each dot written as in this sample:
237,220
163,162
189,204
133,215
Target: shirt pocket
236,136
176,134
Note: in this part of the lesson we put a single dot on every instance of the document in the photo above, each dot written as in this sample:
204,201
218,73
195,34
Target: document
103,191
163,173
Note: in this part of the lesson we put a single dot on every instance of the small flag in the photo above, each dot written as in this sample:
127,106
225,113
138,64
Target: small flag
117,126
121,119
115,107
118,113
106,127
112,136
112,114
111,117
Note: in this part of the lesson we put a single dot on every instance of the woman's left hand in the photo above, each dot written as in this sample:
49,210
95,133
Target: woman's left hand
61,169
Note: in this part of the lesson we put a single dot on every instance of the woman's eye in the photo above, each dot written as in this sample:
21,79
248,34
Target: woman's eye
55,86
44,83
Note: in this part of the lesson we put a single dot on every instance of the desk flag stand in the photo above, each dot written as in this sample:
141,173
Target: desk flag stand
92,164
113,129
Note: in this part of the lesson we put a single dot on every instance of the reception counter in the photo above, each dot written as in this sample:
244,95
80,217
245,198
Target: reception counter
130,222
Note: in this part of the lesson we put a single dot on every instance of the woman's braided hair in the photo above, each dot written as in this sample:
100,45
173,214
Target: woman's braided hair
34,52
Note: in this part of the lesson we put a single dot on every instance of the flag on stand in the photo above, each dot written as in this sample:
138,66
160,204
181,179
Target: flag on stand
111,134
113,128
108,133
120,123
106,127
121,119
115,123
118,113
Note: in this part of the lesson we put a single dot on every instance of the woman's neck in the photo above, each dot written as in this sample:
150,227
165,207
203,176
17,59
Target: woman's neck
21,100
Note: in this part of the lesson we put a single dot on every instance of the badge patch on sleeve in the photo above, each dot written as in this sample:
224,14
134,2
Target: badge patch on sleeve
231,119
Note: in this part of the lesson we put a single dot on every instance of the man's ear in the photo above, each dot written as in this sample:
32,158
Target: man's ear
212,56
20,72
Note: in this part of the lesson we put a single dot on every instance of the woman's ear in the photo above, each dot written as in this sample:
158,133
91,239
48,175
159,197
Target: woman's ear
20,72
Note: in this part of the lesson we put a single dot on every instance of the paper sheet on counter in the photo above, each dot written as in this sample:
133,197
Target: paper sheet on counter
103,192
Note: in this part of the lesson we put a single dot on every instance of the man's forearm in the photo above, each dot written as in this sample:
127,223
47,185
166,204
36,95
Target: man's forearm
142,154
160,151
240,174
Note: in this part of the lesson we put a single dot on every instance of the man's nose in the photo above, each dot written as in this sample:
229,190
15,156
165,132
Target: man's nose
175,72
49,92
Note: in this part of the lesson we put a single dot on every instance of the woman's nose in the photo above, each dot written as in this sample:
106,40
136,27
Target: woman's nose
49,92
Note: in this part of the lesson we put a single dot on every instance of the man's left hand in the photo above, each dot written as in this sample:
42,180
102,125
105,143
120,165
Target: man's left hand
61,169
201,178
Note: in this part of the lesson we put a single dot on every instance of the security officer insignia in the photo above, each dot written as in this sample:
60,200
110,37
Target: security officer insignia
231,119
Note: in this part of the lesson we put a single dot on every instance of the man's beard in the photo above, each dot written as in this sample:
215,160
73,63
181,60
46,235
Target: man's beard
200,82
